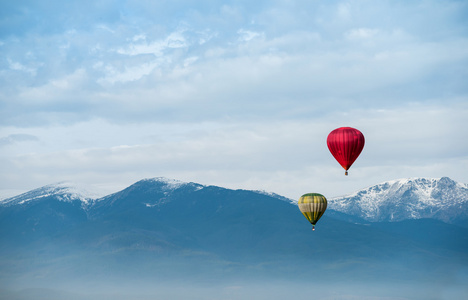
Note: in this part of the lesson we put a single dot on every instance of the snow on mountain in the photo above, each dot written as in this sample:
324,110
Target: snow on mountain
63,191
173,184
402,199
168,183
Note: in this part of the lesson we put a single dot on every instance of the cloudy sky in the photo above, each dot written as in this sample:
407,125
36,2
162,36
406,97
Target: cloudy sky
240,94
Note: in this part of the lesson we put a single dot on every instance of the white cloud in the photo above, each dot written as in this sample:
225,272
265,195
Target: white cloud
247,35
361,33
344,11
57,90
132,73
174,40
20,67
17,138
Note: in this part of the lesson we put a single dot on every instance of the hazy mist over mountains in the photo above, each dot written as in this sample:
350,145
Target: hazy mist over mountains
404,239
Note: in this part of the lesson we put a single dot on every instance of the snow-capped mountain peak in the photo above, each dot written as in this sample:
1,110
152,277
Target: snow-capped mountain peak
169,184
402,199
63,191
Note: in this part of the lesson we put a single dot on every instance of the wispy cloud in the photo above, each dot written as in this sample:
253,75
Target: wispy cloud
361,33
139,45
17,138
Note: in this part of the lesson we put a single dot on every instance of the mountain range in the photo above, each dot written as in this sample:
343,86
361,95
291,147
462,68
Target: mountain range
409,230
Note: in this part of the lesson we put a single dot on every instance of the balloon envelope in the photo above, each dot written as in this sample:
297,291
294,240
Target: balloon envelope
345,144
312,206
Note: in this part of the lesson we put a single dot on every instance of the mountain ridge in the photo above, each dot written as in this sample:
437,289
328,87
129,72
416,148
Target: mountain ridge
405,199
64,191
390,201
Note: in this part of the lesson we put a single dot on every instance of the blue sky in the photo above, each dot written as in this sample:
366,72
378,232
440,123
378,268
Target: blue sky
239,94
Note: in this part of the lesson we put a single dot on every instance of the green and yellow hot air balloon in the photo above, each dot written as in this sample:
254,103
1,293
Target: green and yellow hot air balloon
312,206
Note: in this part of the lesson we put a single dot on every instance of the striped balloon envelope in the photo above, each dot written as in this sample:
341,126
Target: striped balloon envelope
312,206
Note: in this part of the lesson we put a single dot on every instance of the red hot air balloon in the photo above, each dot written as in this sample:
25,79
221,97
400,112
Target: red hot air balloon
345,144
